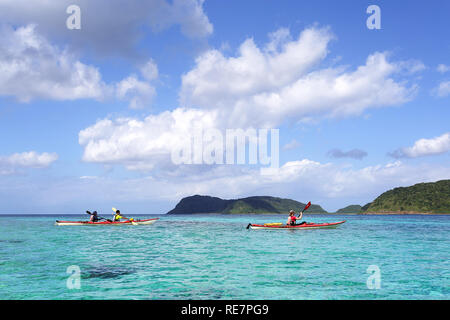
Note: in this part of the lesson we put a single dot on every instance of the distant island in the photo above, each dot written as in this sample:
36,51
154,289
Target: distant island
425,198
432,197
260,204
354,208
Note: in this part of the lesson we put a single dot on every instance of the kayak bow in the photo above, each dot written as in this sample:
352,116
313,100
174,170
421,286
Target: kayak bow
297,227
106,223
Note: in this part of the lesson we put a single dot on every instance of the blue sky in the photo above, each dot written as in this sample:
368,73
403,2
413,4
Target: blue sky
88,117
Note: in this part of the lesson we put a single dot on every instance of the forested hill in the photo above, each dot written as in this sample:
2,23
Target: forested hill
354,208
433,197
260,204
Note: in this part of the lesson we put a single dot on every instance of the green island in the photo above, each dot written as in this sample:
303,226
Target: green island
258,205
354,208
432,197
424,198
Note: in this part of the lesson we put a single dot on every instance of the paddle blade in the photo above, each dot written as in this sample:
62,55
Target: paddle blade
248,226
114,209
307,206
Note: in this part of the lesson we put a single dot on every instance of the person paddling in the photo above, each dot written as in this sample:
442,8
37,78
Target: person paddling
117,216
94,217
293,219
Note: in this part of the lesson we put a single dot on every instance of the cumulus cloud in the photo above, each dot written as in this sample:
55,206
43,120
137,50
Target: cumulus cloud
142,144
109,26
146,145
283,80
355,154
261,87
10,164
254,70
425,147
32,68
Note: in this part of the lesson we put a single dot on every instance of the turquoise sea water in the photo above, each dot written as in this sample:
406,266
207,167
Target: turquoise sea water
216,257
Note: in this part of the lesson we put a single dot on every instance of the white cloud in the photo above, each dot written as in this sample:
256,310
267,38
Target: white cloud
146,145
425,147
260,87
142,144
411,66
191,17
284,81
30,68
138,93
104,20
442,68
443,89
217,77
10,164
150,70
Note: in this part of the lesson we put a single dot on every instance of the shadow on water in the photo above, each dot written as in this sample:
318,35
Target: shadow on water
11,241
106,272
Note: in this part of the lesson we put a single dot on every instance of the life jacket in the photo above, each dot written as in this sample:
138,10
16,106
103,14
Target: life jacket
292,220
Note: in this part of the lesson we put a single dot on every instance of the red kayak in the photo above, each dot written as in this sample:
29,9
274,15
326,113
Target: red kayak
106,223
273,226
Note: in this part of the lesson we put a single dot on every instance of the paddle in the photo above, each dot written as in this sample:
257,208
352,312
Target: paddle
306,208
300,215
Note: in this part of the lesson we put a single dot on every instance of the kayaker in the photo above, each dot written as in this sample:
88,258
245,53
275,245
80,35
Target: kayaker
293,219
117,216
94,217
